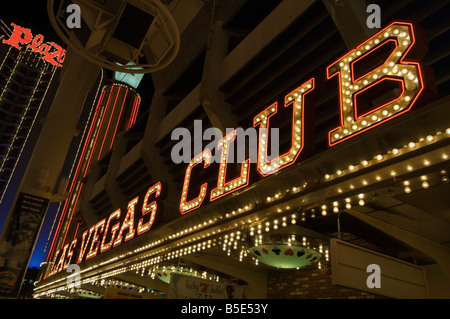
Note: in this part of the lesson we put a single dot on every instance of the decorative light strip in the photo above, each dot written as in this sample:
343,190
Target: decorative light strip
410,147
32,124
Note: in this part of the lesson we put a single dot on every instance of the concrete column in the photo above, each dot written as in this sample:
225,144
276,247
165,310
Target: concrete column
153,160
111,186
59,128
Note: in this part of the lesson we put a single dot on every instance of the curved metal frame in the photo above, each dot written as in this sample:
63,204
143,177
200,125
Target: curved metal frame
167,21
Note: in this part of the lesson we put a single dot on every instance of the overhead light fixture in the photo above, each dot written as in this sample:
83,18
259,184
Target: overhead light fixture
285,256
284,251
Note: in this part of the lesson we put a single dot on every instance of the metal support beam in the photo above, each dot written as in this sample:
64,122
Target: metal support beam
350,19
138,280
257,281
437,251
212,100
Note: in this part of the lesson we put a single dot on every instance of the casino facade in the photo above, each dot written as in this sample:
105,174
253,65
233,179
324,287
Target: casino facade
356,205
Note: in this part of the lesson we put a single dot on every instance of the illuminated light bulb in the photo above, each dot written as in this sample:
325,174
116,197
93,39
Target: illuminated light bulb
423,177
351,167
425,184
409,168
361,202
430,138
336,209
412,145
444,179
365,163
426,162
348,205
324,212
339,172
407,189
406,183
447,131
395,151
379,157
327,176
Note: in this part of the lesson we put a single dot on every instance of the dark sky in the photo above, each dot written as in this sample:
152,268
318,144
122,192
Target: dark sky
30,14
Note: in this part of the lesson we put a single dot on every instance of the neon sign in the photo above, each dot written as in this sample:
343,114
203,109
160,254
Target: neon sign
396,69
104,235
50,51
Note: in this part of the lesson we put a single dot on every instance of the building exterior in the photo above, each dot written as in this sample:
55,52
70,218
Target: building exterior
26,79
27,85
358,195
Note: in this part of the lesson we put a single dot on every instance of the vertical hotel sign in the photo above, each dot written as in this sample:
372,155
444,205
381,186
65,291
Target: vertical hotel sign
17,241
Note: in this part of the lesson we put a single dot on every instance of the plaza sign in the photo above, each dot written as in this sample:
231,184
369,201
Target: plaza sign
396,69
50,51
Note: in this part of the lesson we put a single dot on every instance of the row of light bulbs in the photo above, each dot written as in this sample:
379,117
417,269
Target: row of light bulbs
424,141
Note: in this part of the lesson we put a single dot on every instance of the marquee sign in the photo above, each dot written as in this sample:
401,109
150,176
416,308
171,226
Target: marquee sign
50,51
398,39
